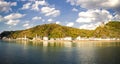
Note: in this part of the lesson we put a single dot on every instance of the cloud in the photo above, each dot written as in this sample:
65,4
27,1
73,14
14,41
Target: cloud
70,24
26,24
97,12
74,9
97,4
57,22
13,4
116,17
50,20
36,5
26,6
1,18
48,11
42,6
90,26
94,16
36,18
14,16
43,20
12,22
6,6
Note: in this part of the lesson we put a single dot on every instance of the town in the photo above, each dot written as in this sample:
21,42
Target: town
79,38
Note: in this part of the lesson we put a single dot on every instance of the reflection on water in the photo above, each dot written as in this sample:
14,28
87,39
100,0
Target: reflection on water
34,52
69,44
45,43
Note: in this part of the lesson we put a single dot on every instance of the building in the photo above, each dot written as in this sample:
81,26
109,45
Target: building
24,38
52,39
68,38
37,38
45,38
78,38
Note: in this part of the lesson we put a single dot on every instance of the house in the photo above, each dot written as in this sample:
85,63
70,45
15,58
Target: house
52,39
4,38
68,38
45,38
117,39
82,38
57,38
78,38
24,38
37,38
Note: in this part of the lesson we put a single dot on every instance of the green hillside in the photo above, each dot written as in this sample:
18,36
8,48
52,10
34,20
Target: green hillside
111,29
50,30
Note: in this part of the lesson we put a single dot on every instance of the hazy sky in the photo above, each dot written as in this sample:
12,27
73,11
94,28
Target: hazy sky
83,14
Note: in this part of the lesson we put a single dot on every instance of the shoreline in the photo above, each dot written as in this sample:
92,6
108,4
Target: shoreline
74,41
96,41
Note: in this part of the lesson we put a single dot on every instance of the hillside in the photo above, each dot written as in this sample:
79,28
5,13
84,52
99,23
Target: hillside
111,29
50,30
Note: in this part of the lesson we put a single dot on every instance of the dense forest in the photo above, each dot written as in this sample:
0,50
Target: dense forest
109,30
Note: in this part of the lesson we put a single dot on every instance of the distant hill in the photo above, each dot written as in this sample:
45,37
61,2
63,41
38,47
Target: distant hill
50,30
111,29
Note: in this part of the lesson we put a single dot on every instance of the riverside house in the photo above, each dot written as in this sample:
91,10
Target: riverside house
45,38
68,38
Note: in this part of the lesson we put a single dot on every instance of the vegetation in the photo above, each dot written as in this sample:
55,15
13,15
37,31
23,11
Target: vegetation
111,29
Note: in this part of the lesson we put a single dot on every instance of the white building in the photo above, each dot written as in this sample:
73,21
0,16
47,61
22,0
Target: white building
37,37
24,38
57,38
45,38
52,39
78,38
4,38
82,38
68,38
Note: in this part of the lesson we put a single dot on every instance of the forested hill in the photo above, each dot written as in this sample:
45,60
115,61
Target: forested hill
111,29
50,30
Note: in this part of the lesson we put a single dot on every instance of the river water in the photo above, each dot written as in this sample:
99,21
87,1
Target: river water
22,52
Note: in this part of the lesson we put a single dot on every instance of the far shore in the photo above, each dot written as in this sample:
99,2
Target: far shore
74,41
96,41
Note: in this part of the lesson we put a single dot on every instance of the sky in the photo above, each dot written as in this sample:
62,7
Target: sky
82,14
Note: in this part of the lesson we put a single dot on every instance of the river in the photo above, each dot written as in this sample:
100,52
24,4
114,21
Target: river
22,52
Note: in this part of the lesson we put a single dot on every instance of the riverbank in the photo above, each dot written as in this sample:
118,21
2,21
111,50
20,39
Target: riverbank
74,41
